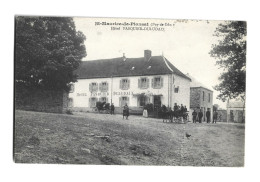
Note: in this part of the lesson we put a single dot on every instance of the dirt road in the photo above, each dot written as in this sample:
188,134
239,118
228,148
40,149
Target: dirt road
89,138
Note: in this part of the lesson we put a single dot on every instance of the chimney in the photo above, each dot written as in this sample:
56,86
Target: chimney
147,55
124,58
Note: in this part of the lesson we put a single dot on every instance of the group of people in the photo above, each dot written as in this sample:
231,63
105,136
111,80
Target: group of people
198,116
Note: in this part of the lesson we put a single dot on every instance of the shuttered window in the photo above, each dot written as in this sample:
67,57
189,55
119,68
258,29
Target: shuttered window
93,87
103,99
124,84
157,82
143,83
103,87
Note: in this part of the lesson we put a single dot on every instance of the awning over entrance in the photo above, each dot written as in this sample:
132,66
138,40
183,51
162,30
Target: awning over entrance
148,94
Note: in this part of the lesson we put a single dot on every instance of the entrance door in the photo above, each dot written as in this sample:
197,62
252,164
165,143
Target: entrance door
157,101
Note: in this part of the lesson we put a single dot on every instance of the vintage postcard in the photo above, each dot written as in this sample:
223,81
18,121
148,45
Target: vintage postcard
123,91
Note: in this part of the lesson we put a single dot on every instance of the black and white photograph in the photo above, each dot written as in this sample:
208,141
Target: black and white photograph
129,91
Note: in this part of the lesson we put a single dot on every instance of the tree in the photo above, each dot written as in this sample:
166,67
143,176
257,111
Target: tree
230,53
47,51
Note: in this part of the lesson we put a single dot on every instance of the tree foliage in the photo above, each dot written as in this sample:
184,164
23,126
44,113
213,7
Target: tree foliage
47,51
230,53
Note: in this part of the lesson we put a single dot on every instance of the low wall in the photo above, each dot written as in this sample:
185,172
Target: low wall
41,100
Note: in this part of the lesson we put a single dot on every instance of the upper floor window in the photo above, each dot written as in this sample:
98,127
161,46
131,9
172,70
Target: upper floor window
176,89
93,87
203,95
103,86
143,83
124,84
72,87
209,97
157,82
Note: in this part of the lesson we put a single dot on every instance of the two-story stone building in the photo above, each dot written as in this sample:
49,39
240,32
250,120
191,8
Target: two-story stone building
201,97
135,81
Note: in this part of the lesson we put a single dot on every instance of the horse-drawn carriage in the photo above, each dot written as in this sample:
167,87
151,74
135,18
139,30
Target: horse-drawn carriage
177,116
102,107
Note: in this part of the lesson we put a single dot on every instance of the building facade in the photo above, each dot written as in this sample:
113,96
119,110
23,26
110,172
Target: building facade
132,81
236,111
201,98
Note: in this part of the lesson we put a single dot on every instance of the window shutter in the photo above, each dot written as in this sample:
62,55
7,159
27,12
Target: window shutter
100,87
147,82
89,102
161,82
90,87
152,82
120,101
106,89
128,83
139,83
96,87
120,86
127,100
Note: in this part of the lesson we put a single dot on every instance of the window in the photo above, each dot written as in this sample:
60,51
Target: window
93,87
157,82
209,97
143,83
176,89
123,101
203,95
103,99
124,84
103,86
70,102
92,101
72,87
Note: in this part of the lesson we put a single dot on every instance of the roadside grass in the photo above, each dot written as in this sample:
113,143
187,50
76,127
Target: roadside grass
104,139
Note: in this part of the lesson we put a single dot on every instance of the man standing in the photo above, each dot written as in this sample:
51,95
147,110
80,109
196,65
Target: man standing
125,111
194,116
208,116
112,109
215,116
200,115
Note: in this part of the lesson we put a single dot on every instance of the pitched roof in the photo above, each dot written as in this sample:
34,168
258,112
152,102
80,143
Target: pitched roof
195,83
117,67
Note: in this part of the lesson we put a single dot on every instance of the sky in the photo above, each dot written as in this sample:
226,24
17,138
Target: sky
186,44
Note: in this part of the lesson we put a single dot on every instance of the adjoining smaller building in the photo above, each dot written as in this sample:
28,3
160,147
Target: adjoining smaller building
201,97
235,111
